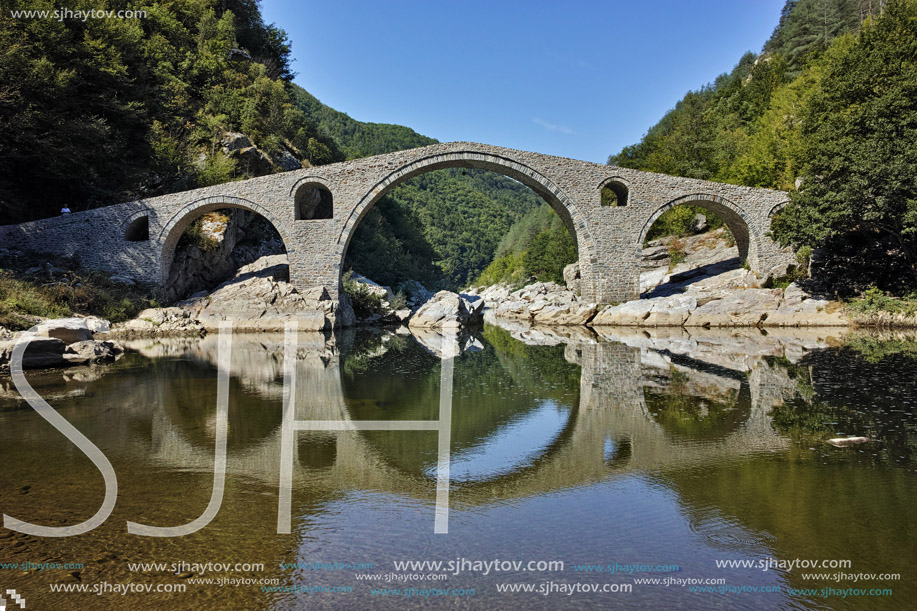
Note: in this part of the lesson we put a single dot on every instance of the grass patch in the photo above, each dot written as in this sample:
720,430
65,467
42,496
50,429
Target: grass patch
25,297
875,301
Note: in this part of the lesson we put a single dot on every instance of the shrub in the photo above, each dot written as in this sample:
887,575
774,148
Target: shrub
875,300
399,301
677,252
364,301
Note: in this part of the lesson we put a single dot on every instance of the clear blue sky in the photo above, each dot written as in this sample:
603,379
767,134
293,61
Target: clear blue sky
576,79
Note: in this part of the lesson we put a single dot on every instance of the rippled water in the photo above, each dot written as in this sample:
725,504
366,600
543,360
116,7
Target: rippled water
653,449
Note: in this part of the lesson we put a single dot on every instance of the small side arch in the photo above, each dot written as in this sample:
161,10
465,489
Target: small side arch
614,191
168,237
136,227
312,199
773,212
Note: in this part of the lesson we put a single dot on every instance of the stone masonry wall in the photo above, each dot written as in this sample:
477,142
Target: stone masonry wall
609,239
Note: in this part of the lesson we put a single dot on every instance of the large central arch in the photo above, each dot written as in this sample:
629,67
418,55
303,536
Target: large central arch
563,205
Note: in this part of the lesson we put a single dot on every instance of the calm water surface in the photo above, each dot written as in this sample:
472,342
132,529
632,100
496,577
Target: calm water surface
669,451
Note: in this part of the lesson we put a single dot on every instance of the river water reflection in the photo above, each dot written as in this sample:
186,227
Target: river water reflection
658,449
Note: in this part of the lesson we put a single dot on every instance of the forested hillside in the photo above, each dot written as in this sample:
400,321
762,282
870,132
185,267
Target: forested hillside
826,111
98,111
738,128
352,138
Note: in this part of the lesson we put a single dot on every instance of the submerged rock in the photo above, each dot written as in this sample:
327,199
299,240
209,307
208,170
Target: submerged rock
41,352
843,442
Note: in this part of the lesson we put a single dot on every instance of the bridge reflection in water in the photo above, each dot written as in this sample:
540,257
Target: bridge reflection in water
614,421
647,445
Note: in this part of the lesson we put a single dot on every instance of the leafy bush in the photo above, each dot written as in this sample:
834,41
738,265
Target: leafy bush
875,300
195,235
364,301
399,301
677,252
216,169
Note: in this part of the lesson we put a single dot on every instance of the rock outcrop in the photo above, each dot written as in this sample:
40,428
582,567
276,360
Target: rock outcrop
91,351
61,342
542,302
448,310
257,298
707,287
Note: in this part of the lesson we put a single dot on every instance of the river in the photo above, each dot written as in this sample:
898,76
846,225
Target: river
635,470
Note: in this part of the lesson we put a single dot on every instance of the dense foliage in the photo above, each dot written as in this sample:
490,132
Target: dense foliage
859,134
807,27
538,246
828,107
102,110
441,228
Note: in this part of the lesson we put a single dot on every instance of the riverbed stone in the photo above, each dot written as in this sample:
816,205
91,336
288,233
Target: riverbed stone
807,313
448,310
571,314
629,313
670,311
68,330
743,308
92,351
40,353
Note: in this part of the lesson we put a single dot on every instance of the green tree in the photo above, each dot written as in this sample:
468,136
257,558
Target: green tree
548,254
860,135
807,27
770,156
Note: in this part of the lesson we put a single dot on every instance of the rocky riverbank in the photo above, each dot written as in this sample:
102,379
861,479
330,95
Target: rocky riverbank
687,282
62,343
695,282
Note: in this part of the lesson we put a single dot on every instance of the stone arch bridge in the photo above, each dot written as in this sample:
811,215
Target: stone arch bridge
316,211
